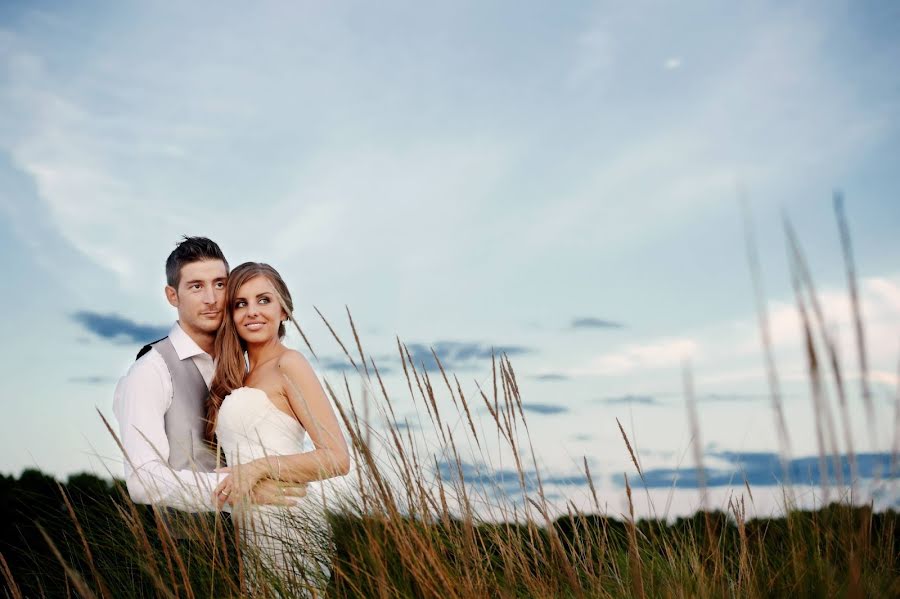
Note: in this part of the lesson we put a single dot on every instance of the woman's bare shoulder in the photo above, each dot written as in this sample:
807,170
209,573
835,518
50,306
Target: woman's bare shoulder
293,362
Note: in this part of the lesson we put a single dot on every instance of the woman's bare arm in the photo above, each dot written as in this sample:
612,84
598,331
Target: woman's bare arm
311,406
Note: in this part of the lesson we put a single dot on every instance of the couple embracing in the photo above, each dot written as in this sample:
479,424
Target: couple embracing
222,384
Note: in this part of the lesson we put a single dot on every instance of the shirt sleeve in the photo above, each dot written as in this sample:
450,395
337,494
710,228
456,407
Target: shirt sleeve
140,403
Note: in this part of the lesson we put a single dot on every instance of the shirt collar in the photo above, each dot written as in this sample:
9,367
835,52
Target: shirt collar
184,346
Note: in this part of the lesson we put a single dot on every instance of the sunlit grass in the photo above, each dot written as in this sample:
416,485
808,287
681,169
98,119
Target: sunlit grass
408,528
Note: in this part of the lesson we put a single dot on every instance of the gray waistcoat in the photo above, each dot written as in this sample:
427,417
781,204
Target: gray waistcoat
185,419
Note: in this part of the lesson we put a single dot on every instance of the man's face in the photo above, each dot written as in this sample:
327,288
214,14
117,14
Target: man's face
200,296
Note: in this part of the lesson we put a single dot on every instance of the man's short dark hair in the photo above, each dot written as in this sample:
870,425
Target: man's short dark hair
191,249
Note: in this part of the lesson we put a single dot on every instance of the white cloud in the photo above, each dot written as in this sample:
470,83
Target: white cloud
60,145
886,378
880,311
727,354
672,63
643,357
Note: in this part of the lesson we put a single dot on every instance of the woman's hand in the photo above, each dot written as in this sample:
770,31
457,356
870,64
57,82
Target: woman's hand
239,483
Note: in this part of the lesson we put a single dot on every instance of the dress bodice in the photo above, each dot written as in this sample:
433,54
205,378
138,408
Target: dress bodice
249,427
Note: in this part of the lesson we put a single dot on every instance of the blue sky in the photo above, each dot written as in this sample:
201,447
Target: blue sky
461,176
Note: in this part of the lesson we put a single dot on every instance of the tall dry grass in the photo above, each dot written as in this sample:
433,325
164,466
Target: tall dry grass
417,525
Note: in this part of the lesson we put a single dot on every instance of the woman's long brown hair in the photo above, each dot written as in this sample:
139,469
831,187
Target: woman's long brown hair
231,367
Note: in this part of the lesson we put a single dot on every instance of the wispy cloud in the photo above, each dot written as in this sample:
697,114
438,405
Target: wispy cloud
654,400
595,323
646,400
551,376
460,355
543,408
32,225
92,380
118,328
342,364
405,424
732,397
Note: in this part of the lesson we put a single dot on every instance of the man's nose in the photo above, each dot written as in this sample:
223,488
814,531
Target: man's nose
209,295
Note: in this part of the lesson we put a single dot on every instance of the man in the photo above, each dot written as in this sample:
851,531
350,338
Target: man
160,403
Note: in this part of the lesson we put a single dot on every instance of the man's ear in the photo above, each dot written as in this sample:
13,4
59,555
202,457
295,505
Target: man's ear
172,296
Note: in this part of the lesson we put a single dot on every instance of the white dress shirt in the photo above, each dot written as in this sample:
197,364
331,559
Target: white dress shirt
141,400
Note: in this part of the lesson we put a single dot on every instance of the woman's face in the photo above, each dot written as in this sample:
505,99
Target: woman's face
256,311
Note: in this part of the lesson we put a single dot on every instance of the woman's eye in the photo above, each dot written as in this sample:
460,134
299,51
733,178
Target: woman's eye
240,304
264,300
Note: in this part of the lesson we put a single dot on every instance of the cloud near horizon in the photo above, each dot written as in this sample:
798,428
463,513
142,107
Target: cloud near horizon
504,480
342,364
764,469
646,400
460,355
678,398
119,329
543,408
92,380
551,376
595,323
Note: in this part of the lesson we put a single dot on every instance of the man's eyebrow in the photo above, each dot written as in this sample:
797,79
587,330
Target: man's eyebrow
193,281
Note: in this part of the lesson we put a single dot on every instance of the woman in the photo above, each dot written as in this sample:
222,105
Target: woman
260,416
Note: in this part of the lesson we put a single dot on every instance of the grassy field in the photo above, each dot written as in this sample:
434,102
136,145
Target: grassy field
85,538
404,531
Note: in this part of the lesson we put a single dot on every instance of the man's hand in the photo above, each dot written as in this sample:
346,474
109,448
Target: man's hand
238,483
273,492
242,482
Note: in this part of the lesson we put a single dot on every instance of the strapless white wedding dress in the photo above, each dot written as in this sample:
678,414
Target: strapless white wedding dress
292,542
